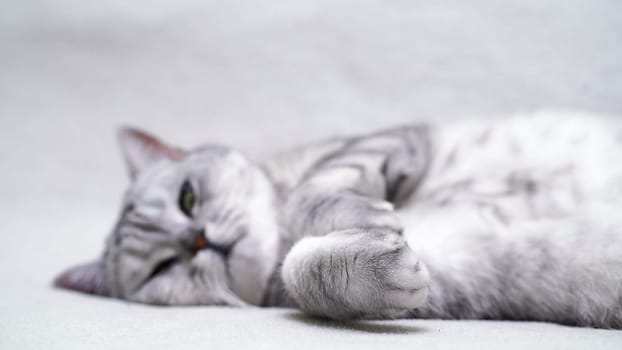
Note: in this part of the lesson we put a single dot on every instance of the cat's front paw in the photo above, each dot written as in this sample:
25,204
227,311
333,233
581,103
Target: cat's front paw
376,214
355,274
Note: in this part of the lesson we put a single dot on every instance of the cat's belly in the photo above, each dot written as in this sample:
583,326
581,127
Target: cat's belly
485,176
433,226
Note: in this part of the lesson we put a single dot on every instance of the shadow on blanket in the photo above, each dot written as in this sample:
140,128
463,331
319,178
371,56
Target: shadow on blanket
388,327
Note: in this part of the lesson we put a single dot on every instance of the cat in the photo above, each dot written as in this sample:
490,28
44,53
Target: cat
511,219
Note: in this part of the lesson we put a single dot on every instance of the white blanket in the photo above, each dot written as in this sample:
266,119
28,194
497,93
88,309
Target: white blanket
258,76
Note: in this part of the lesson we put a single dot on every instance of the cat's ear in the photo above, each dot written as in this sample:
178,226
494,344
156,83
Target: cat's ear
141,149
87,278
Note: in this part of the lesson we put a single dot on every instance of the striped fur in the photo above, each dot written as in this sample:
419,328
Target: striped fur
509,219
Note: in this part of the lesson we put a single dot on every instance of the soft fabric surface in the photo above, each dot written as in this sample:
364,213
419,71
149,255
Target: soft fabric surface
259,76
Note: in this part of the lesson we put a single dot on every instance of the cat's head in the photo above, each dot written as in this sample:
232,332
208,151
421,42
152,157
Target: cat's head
196,227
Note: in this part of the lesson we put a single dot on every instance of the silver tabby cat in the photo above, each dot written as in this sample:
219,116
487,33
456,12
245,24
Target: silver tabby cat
518,219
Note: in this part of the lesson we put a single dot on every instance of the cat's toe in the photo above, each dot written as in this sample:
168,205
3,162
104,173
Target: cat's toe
380,217
407,282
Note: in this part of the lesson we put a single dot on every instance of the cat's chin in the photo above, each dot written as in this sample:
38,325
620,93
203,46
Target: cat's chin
250,266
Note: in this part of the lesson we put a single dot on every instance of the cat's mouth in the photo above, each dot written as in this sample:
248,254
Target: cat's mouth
199,243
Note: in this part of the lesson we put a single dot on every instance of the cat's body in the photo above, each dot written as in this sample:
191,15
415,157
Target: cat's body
513,219
519,219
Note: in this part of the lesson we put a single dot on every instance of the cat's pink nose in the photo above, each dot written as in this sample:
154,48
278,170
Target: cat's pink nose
200,241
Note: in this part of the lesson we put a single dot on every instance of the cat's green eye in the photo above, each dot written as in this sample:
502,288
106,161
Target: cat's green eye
186,198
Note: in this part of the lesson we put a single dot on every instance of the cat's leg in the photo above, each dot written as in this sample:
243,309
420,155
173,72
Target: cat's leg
355,273
359,184
350,260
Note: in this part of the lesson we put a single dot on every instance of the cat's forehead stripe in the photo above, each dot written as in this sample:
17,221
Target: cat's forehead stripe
161,174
